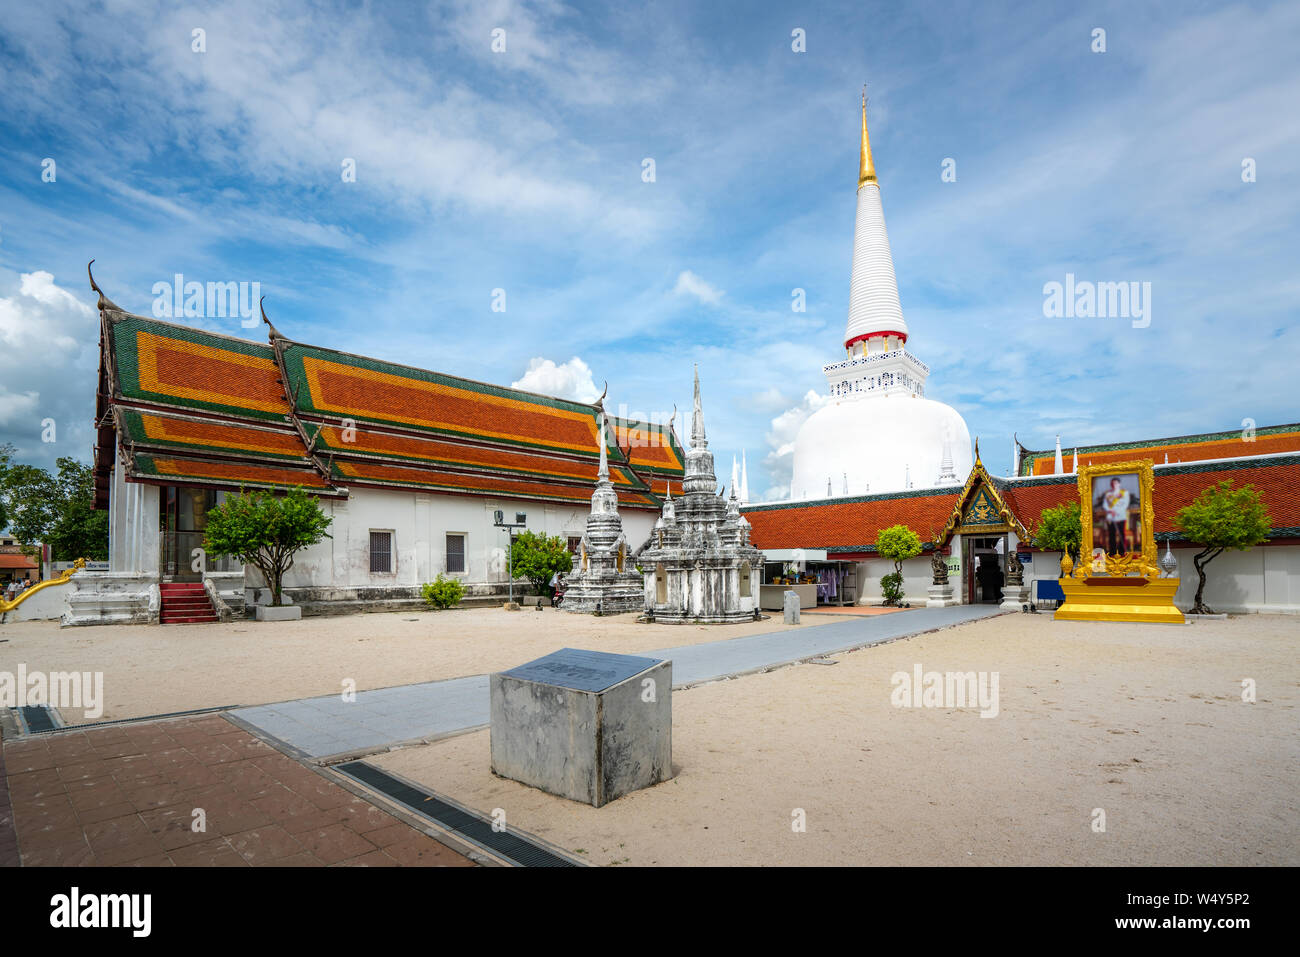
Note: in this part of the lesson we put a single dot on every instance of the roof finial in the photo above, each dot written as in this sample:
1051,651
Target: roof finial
272,332
104,301
603,474
698,439
866,166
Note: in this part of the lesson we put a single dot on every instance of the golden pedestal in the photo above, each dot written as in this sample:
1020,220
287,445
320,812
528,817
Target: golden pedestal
1120,599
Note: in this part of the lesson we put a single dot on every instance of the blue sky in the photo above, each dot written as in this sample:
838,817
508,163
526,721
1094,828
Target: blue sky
522,171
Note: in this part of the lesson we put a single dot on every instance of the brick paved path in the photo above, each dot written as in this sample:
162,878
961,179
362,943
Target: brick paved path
8,839
126,795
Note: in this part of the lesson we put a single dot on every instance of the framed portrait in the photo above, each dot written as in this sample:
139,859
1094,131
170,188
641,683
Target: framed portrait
1117,513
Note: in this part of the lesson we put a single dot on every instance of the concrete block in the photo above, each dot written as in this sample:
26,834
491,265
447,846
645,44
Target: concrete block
791,607
277,613
585,725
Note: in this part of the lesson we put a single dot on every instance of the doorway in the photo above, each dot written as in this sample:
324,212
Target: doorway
985,568
184,520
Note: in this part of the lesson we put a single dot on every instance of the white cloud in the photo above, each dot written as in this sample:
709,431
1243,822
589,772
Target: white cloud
779,460
693,285
48,354
568,380
17,407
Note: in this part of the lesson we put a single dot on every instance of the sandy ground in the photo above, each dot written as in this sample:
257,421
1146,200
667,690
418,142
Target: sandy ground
161,669
1146,723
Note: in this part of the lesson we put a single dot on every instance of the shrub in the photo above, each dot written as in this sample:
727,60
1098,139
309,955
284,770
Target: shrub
442,592
892,587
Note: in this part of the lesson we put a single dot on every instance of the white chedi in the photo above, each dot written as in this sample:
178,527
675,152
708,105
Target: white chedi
877,443
878,430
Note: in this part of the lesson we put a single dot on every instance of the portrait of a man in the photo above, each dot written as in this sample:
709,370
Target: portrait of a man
1117,513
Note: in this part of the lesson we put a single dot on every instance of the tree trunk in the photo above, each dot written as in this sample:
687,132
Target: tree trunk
1203,558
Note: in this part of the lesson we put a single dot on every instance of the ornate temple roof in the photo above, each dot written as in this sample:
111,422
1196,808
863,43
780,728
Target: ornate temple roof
852,524
1268,440
194,407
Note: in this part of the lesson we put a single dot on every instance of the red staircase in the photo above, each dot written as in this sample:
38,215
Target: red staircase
185,603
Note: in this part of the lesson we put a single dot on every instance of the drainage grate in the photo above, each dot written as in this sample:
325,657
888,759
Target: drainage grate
470,826
38,718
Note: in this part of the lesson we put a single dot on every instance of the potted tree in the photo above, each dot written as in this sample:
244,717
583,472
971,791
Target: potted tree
266,530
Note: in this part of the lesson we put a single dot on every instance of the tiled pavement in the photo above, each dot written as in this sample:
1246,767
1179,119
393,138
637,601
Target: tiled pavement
126,795
329,725
8,839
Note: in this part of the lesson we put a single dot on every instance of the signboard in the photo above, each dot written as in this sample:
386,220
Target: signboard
582,670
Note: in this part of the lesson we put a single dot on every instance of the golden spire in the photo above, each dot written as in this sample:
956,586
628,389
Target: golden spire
866,168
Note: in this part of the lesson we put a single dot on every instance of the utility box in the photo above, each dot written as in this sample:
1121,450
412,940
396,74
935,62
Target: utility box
587,725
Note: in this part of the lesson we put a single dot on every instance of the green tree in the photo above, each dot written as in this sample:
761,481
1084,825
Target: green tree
266,530
1219,518
898,543
537,557
79,530
1060,530
54,510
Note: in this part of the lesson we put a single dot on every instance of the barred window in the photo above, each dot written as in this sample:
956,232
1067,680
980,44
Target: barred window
381,553
455,554
573,543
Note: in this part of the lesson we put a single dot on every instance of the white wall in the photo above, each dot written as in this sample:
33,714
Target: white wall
1262,579
917,576
49,602
420,523
134,537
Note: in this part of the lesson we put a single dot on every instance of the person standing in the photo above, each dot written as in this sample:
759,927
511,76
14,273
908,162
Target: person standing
1114,504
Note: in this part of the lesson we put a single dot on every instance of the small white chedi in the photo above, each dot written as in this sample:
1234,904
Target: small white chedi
878,430
699,565
605,581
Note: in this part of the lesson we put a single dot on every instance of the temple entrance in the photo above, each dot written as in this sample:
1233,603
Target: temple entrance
984,568
184,517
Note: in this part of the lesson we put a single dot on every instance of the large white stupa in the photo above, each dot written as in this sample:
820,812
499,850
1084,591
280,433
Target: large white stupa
878,432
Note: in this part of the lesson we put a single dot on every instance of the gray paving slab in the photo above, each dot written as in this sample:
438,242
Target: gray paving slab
327,725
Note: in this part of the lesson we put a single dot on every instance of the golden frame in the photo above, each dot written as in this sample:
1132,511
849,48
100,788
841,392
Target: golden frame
1119,565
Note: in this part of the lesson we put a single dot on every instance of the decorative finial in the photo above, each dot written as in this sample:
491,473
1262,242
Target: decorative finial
977,452
698,439
272,332
866,166
601,401
602,475
104,301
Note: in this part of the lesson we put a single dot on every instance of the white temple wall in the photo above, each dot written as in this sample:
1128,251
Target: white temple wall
917,576
420,523
1262,579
